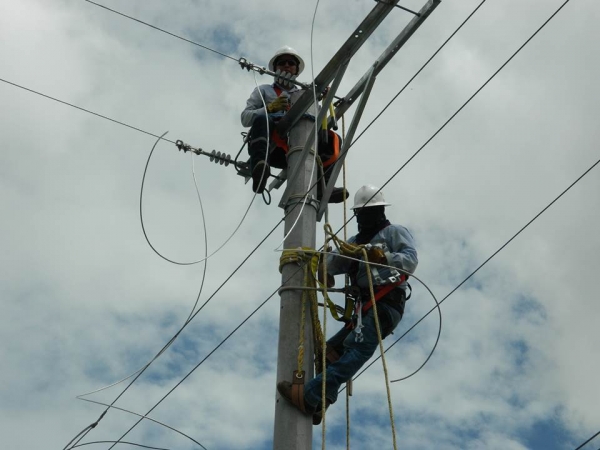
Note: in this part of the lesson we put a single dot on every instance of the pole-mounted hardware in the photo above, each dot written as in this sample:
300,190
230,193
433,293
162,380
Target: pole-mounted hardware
402,8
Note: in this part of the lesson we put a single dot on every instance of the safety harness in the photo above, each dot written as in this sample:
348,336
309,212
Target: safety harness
329,144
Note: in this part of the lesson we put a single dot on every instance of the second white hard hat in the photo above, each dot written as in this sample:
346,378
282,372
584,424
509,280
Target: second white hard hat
287,50
367,196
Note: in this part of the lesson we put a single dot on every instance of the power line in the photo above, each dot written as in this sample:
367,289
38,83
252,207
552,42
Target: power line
145,417
121,442
588,441
416,74
83,109
163,31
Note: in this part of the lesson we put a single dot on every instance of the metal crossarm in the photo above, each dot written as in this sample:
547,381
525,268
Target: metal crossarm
342,57
386,56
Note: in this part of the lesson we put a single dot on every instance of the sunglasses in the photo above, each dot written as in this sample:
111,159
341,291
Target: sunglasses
289,62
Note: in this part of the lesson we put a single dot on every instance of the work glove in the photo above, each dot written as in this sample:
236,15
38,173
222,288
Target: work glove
377,255
279,104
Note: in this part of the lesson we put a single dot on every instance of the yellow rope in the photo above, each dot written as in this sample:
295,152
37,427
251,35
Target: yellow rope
378,328
310,257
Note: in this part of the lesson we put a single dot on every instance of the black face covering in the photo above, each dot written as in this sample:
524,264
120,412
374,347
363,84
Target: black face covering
370,220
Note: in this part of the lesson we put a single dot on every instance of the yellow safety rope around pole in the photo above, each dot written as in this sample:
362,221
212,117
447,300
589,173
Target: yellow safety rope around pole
378,328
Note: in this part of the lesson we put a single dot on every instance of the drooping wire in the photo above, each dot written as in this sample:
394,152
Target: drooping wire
196,366
148,418
483,264
163,31
197,297
207,256
122,442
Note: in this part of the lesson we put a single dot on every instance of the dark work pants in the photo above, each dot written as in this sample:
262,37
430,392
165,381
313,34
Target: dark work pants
257,144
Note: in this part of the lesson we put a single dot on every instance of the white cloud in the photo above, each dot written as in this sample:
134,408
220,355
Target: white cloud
86,301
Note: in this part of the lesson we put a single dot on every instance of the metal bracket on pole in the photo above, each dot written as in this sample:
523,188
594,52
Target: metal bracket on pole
342,57
347,141
387,55
321,114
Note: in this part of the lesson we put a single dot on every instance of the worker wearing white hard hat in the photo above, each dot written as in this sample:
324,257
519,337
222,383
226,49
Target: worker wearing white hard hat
288,64
392,254
267,104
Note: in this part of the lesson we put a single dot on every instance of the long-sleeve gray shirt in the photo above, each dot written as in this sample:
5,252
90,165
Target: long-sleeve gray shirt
255,106
399,248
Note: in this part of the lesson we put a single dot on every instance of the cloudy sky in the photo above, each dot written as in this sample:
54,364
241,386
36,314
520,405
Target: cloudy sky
86,302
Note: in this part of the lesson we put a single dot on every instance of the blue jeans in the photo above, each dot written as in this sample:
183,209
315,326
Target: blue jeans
355,354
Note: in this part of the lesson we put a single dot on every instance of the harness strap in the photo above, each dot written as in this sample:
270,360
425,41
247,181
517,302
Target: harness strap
383,291
278,140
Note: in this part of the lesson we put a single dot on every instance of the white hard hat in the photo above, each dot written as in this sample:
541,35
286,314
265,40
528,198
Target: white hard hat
286,50
369,195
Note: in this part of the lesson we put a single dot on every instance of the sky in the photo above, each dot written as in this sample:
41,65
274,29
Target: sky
86,301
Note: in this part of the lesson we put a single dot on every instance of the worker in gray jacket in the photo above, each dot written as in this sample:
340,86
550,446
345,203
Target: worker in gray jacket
348,350
266,106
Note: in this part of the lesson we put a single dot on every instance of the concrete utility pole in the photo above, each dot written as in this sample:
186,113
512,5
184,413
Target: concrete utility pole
293,430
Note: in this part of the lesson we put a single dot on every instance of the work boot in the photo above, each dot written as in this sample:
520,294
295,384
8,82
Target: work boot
318,414
294,393
338,195
260,175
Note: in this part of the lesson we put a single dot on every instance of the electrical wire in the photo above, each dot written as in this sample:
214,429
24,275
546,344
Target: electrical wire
417,73
588,441
122,442
163,31
82,109
206,257
197,297
197,365
148,418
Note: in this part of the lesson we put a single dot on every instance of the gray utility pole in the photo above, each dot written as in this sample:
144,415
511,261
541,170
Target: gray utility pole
293,430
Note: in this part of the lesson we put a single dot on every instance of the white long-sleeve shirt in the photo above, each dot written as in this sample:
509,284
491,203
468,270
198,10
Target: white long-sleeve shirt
255,106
